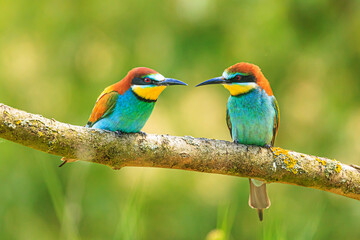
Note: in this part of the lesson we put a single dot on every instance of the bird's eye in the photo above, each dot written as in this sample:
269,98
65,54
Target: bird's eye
147,80
238,77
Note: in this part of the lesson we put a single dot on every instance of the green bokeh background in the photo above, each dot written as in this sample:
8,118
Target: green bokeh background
57,56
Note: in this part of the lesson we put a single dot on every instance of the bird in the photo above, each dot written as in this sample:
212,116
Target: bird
125,106
252,116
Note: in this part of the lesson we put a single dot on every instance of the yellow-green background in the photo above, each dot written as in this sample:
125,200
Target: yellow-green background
56,56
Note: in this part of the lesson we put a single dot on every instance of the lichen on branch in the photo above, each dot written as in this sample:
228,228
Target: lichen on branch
187,153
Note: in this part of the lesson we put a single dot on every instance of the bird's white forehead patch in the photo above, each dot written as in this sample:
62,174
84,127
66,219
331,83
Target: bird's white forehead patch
156,76
225,75
228,75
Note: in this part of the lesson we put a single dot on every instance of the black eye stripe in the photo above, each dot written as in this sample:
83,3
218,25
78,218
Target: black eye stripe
142,81
243,78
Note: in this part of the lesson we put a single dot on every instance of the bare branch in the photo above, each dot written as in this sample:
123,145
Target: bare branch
187,153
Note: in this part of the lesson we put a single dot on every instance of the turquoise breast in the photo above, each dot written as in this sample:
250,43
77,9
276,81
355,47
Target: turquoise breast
252,117
129,115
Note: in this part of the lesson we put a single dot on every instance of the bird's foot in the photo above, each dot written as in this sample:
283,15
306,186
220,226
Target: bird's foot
270,148
118,132
142,133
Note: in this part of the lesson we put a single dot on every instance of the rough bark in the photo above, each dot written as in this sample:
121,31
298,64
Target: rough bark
187,153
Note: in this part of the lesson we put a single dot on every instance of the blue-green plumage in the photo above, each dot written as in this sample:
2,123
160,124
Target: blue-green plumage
251,117
128,115
126,105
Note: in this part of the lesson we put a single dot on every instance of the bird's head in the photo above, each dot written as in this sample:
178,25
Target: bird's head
241,78
147,84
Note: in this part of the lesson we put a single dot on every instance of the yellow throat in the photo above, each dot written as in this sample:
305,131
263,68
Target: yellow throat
148,93
237,89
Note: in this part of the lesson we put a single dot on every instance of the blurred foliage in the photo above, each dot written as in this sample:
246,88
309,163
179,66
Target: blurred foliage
57,56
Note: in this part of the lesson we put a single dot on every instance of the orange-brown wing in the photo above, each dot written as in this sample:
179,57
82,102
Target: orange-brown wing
104,105
276,120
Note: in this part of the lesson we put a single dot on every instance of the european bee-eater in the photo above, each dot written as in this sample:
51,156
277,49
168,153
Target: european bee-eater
126,105
252,117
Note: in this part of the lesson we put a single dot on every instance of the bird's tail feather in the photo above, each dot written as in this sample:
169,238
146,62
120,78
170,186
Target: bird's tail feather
258,197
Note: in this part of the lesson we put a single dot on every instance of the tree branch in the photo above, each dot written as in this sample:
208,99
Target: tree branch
187,153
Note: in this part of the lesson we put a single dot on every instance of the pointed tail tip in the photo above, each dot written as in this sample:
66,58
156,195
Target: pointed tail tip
63,163
66,160
260,213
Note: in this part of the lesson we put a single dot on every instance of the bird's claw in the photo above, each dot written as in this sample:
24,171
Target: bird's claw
118,132
267,146
142,133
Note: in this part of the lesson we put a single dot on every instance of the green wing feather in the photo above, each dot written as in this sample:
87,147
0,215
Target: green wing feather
228,122
276,120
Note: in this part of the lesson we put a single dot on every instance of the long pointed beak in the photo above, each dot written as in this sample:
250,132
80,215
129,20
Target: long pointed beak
216,80
170,81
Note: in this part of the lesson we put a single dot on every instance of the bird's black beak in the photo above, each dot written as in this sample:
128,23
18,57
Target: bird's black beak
217,80
170,81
